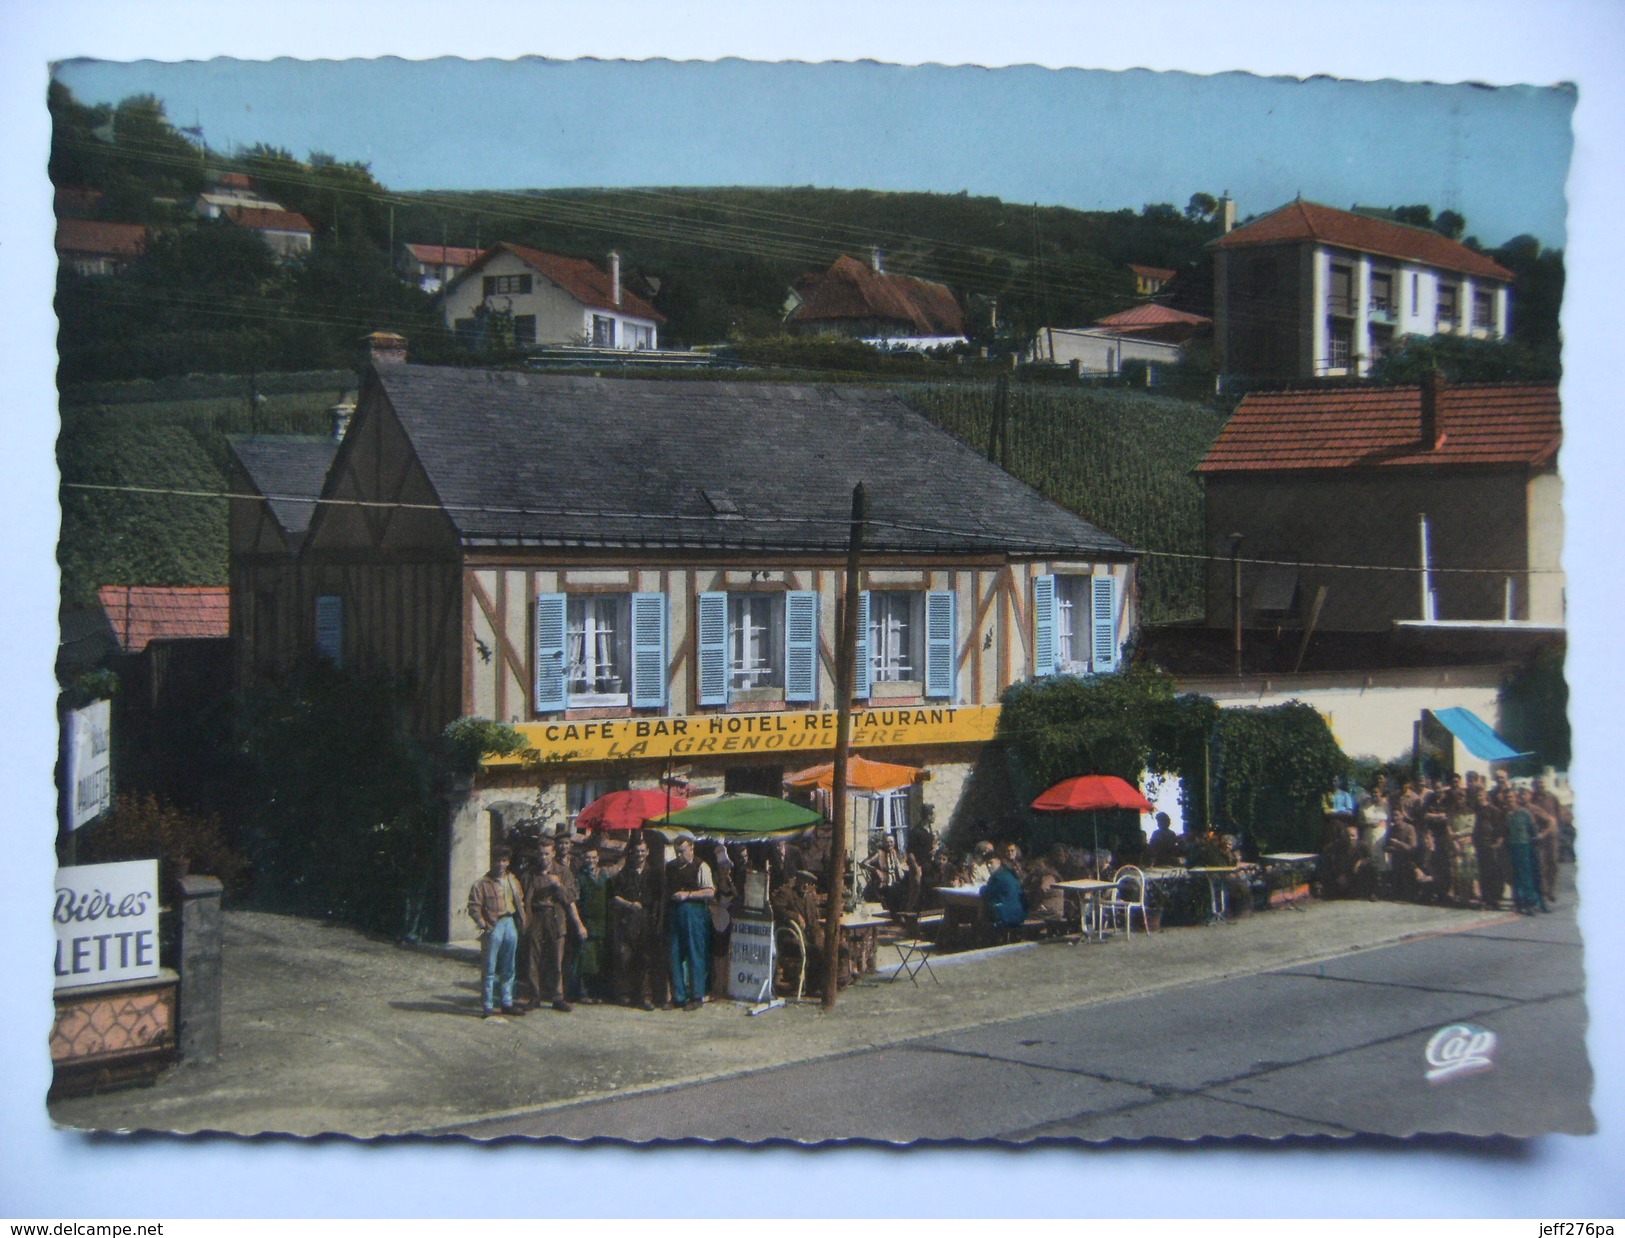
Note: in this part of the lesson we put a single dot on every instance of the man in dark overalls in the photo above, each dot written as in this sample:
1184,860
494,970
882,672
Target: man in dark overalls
552,895
689,890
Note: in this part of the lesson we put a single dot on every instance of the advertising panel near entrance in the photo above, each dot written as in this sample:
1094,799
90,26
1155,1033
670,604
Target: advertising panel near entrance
698,735
106,918
89,769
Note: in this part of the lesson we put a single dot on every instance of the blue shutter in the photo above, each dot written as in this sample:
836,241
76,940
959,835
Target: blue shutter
648,650
1044,625
941,641
801,646
330,628
1103,624
860,664
713,647
550,638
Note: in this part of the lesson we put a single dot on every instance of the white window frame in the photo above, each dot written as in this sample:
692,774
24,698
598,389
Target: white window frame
755,641
896,636
589,665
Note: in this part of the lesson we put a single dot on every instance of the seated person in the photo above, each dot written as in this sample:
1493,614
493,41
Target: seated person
1003,897
1044,897
980,863
1163,851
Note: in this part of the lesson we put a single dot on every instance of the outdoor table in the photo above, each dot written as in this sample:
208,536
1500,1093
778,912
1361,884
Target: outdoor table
861,930
960,905
1218,895
1089,890
1294,894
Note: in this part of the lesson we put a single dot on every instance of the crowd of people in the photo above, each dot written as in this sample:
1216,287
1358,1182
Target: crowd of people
1461,842
588,920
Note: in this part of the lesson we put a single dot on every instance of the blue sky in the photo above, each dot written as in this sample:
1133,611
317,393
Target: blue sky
1069,137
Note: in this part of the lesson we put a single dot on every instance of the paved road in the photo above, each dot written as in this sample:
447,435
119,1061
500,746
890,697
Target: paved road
1330,1049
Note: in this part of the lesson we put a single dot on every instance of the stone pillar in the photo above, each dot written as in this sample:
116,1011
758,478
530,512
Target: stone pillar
202,933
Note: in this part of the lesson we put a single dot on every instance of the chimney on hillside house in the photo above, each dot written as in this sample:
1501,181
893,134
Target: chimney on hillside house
615,278
1227,213
341,413
385,348
1431,382
877,260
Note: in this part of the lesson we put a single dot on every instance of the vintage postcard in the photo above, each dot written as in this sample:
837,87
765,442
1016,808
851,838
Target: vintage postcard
812,602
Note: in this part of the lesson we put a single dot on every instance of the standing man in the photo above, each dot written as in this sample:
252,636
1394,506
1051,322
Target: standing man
591,965
689,888
1548,814
634,910
552,896
496,904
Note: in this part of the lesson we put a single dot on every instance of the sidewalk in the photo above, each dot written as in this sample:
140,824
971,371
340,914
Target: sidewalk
326,1030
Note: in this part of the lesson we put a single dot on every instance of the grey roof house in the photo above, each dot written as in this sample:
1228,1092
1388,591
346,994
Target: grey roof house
646,577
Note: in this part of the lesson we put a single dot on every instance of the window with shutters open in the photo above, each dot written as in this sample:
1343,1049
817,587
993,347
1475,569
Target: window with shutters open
1075,621
600,649
757,646
909,637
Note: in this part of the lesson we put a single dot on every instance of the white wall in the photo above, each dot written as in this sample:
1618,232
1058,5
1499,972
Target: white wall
1369,715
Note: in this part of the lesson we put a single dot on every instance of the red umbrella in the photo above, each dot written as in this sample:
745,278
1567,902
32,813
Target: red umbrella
628,810
1089,793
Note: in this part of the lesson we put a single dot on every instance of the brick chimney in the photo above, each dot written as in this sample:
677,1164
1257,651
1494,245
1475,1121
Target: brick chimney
615,278
385,348
1431,382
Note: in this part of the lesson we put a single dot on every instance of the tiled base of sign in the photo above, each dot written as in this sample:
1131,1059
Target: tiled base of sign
110,1035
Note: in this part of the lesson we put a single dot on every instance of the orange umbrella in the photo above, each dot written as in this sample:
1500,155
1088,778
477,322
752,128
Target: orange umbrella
861,775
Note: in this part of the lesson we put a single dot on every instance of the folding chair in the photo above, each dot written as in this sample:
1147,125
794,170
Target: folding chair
912,956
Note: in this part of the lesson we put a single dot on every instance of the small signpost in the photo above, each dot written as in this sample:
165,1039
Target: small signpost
750,960
88,785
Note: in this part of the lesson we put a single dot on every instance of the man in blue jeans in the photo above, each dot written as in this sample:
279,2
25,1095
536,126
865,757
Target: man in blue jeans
689,888
496,904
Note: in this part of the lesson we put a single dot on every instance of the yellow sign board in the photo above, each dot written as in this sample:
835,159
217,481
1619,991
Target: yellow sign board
700,735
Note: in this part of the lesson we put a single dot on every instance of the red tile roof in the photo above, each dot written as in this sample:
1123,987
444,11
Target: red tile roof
77,202
262,219
580,278
89,236
1150,317
1145,272
1380,427
141,614
443,255
853,290
1310,221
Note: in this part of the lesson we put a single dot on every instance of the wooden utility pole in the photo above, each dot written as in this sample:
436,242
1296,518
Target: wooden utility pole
1235,598
846,656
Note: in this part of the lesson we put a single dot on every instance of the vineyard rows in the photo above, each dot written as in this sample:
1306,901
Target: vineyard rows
1123,460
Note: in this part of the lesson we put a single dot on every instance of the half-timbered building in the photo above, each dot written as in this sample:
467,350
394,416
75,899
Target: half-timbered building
645,578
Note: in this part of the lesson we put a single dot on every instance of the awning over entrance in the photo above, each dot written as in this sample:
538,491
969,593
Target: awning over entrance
1481,740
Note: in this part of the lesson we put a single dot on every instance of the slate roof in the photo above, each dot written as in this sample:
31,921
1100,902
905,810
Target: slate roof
1380,427
140,614
580,278
565,460
90,236
286,466
1311,221
853,291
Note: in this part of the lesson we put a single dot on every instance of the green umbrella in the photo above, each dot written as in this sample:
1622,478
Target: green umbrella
737,817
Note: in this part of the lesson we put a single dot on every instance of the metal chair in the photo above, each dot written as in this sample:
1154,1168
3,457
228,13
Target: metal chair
1130,882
